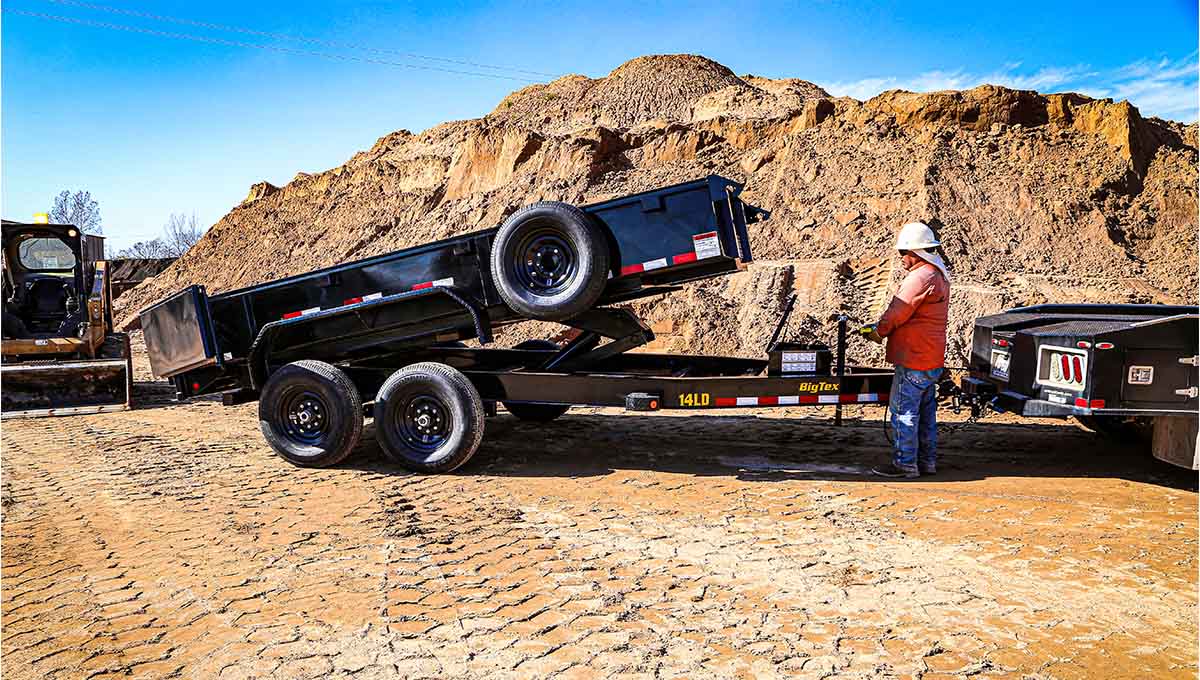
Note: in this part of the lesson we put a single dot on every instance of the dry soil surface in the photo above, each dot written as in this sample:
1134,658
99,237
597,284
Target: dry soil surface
169,542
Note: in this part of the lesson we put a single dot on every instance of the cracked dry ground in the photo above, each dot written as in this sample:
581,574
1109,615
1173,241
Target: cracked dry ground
169,542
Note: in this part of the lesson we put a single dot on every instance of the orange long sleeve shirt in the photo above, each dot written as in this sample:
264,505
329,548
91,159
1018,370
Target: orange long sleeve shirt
915,322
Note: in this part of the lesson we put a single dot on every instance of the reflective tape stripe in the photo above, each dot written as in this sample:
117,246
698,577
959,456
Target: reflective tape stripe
302,312
431,284
703,250
362,298
793,400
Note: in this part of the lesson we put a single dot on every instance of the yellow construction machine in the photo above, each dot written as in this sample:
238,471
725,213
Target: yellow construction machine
59,354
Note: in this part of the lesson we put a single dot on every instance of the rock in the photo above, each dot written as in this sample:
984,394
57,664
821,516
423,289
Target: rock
259,190
846,217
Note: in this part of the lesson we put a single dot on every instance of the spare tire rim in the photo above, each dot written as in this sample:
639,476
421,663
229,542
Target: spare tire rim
424,423
305,416
546,262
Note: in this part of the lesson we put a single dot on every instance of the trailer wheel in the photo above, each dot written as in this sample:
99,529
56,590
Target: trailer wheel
538,413
311,414
550,261
428,418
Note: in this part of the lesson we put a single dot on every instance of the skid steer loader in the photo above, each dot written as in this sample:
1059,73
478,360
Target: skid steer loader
58,353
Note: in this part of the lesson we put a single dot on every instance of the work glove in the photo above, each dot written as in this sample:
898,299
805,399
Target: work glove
871,333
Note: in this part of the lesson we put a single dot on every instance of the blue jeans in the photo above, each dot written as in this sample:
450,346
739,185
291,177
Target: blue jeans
913,404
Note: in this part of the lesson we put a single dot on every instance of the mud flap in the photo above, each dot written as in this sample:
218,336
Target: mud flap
65,388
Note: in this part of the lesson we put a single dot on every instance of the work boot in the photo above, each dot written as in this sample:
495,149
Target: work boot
890,470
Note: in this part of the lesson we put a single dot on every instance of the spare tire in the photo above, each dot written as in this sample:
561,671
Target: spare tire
550,261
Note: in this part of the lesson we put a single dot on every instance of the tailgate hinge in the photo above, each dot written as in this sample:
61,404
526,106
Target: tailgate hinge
1191,392
1190,361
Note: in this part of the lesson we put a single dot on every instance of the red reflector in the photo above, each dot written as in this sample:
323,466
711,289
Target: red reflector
1083,344
352,301
1104,345
768,401
1078,365
1097,403
1066,366
196,386
684,258
291,315
653,405
632,269
420,286
1000,342
1081,402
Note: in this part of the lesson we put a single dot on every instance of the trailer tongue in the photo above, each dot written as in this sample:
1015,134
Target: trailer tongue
384,333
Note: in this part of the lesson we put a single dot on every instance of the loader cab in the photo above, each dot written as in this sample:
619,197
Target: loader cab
47,272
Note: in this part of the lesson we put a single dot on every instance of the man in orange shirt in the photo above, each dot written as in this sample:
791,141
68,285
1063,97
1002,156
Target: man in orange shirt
915,327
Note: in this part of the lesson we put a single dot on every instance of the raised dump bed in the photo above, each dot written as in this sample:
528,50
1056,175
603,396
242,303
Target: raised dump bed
382,335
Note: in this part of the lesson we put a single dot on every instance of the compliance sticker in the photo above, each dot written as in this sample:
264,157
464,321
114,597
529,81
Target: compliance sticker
1000,364
1141,375
707,245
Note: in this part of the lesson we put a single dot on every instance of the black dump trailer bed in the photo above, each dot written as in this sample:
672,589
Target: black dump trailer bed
383,336
1118,369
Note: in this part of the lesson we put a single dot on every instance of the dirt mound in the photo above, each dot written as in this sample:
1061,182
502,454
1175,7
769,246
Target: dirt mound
1038,197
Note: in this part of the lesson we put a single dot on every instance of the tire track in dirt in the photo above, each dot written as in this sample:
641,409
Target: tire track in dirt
170,541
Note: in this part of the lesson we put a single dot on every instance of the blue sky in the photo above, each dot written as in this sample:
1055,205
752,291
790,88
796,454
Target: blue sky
153,124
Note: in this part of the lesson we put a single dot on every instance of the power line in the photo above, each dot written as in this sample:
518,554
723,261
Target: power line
294,38
257,46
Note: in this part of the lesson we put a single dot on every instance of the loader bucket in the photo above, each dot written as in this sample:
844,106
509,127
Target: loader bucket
65,388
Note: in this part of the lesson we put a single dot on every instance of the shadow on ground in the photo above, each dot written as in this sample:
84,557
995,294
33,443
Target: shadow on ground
774,449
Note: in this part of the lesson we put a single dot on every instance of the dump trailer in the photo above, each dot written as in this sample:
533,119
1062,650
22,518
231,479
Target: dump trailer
1127,371
383,336
60,355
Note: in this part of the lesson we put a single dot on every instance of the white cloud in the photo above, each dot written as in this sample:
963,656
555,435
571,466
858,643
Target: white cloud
1163,88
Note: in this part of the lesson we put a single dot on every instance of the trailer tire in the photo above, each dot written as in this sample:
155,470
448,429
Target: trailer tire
311,414
550,261
429,418
537,413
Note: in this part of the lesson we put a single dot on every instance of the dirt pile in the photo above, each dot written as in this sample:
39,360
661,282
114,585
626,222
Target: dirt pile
1038,197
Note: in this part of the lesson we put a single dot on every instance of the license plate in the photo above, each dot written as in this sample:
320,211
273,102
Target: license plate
1000,364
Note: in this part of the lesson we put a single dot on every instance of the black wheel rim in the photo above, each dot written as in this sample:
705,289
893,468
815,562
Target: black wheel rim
305,416
545,262
424,422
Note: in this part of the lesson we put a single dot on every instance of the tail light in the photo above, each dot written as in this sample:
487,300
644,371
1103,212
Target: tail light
1062,367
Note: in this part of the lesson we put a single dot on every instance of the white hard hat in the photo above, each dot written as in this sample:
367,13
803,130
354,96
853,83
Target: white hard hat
916,236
